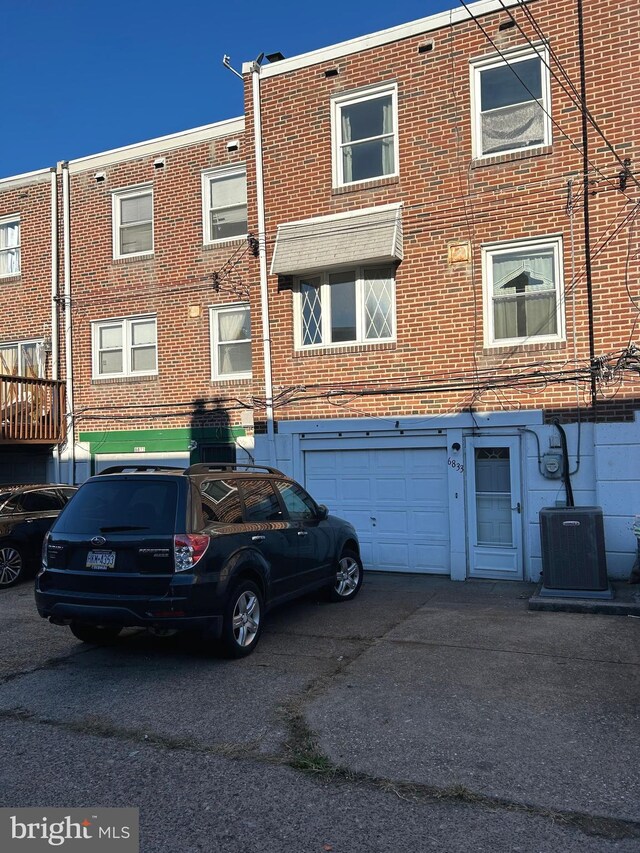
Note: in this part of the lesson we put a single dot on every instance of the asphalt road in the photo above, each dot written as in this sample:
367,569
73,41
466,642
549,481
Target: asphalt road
423,716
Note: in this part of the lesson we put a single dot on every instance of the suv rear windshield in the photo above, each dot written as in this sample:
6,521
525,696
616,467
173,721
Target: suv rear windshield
119,506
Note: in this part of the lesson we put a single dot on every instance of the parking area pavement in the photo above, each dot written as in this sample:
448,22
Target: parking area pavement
424,715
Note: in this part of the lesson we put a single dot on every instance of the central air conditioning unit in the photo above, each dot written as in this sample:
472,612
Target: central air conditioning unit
574,563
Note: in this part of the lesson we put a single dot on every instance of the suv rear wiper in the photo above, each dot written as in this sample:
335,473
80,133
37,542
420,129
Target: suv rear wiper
121,527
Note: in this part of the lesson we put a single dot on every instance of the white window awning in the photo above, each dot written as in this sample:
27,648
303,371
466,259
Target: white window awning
372,235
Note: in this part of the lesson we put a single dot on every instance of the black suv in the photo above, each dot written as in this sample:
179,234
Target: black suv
209,548
26,513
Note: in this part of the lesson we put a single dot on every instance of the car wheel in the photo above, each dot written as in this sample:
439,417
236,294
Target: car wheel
348,578
242,624
97,635
12,568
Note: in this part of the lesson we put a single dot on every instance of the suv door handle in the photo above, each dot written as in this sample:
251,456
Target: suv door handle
257,538
302,533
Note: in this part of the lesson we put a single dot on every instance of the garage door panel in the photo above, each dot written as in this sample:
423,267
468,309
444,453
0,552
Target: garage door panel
323,489
435,558
397,499
355,489
390,489
391,522
434,523
393,557
421,488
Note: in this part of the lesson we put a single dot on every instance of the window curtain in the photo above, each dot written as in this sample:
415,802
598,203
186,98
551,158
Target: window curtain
234,333
524,294
10,248
347,155
388,153
9,361
514,126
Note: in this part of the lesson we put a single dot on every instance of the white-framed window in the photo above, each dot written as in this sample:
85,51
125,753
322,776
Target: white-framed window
133,222
523,292
22,358
511,102
9,246
355,306
125,347
365,134
230,341
224,204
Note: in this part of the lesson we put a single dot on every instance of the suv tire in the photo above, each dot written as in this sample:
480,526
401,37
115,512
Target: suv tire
12,568
96,635
242,623
348,577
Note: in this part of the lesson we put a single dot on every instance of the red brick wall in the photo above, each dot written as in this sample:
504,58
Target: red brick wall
177,277
448,197
25,299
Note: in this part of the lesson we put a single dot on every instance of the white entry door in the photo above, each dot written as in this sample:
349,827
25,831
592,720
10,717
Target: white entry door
494,506
396,499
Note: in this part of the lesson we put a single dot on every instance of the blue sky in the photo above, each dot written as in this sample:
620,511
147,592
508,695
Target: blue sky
90,76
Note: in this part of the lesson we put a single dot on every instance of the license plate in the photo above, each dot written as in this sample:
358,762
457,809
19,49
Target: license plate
101,559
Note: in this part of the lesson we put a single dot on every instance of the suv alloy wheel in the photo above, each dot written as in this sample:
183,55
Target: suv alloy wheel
242,624
348,578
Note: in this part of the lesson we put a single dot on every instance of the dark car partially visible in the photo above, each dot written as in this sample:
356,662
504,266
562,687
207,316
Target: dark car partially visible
26,514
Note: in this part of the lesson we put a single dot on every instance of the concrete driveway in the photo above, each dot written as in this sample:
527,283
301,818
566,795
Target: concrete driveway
425,715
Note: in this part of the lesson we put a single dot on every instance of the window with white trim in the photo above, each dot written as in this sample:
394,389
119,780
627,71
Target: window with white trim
231,341
511,102
133,222
523,292
365,135
22,358
9,246
224,200
355,306
125,347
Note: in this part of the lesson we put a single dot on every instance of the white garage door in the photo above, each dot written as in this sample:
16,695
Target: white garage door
396,499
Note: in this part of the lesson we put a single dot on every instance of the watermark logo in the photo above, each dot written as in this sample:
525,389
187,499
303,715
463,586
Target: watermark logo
70,830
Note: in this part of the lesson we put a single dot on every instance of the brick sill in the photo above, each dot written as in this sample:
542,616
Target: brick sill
14,278
124,380
365,185
552,346
117,262
343,350
508,157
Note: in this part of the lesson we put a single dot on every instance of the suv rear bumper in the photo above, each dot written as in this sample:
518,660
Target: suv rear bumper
169,613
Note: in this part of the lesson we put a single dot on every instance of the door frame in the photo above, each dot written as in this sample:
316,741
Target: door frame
495,562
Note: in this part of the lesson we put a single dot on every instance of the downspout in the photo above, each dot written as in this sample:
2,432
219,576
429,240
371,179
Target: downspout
262,255
55,348
66,229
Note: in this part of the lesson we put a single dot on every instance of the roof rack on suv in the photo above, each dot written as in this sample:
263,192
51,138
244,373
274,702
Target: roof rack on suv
209,467
121,469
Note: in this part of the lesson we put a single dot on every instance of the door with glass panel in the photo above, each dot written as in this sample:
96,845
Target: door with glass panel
494,508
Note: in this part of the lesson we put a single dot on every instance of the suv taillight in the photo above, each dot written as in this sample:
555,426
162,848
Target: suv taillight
45,557
188,549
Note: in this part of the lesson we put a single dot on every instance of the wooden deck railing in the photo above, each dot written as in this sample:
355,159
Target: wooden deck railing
32,411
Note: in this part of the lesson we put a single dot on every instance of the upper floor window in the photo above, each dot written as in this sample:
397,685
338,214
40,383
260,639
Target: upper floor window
352,307
126,347
9,246
365,135
523,292
224,195
133,222
24,358
231,342
512,104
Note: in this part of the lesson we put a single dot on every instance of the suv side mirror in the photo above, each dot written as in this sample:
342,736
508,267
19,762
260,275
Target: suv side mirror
323,512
